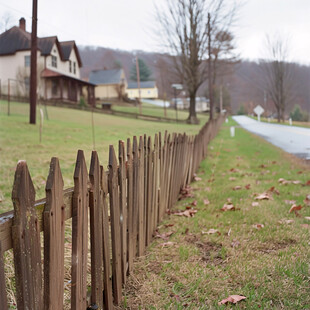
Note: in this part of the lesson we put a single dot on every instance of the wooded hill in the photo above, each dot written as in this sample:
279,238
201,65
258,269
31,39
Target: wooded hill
243,86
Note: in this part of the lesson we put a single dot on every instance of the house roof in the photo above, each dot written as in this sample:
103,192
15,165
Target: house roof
146,84
17,39
100,77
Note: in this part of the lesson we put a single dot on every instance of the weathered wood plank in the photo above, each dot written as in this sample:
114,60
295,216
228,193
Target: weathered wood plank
141,236
26,242
130,206
123,206
108,292
3,296
115,227
54,238
135,190
80,203
96,231
149,225
145,189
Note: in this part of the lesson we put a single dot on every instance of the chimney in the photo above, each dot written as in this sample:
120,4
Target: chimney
22,24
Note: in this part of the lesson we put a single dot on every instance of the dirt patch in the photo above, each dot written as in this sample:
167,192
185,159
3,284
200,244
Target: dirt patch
275,246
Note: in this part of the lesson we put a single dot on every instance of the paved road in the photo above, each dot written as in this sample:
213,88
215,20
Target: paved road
292,139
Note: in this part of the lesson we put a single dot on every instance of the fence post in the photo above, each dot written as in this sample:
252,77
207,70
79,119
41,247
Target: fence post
96,231
115,227
79,234
26,242
54,235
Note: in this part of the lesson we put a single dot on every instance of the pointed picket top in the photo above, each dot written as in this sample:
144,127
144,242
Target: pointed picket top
112,159
149,143
94,167
54,180
156,142
23,193
135,146
80,172
121,151
141,145
129,154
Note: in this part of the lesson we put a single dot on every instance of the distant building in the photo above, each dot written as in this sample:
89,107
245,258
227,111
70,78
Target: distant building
110,84
58,65
202,104
148,90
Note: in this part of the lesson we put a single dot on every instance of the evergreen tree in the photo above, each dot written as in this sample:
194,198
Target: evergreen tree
144,70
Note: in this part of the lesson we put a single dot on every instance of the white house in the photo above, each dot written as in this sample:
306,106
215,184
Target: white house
148,90
58,65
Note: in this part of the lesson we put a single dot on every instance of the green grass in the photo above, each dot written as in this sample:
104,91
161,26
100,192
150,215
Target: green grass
64,133
286,122
150,109
270,266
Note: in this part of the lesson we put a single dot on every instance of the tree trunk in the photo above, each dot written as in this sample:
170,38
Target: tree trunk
192,118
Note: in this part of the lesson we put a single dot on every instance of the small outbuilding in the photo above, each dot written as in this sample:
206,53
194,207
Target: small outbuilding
148,90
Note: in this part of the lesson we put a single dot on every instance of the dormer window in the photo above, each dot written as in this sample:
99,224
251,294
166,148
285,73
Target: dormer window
54,61
70,66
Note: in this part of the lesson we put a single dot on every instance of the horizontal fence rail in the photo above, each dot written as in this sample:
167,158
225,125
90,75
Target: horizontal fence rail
113,214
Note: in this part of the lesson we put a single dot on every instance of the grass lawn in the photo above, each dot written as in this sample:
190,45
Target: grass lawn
259,250
286,122
64,133
150,109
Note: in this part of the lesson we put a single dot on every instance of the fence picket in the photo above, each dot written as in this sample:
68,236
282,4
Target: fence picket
149,191
136,192
54,237
3,297
80,205
108,293
130,206
26,242
141,237
96,231
123,207
115,227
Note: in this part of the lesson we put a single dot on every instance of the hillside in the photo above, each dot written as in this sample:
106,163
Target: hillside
245,85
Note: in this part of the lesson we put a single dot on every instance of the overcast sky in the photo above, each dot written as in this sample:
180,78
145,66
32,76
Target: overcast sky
127,25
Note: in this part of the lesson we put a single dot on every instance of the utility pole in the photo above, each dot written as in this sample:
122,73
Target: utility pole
33,68
138,82
221,98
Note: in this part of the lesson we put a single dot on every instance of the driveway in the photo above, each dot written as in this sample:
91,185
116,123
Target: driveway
292,139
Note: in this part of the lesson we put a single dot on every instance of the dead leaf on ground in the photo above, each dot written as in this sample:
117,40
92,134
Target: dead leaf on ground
235,243
248,186
283,181
186,192
307,183
164,236
206,201
295,208
307,200
167,244
273,190
169,225
232,179
296,182
232,299
187,213
229,201
305,225
255,204
307,218
263,166
211,231
207,189
197,178
228,207
234,170
264,196
258,226
194,203
236,188
285,221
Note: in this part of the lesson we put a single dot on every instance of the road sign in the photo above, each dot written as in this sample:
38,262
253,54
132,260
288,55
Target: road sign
258,111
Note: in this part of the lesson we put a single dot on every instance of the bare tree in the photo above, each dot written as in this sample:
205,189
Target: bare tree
190,29
278,73
6,21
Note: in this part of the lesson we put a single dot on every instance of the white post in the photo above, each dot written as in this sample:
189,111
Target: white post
232,131
290,121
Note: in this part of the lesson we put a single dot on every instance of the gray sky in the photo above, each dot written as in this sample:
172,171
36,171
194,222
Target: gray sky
127,25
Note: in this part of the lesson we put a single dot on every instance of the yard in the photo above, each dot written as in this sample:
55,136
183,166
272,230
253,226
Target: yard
64,133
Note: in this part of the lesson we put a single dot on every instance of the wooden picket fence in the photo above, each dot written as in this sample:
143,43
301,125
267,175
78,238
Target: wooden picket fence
121,207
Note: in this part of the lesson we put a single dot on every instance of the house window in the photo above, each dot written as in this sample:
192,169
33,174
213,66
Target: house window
54,87
70,66
54,61
74,67
27,61
27,83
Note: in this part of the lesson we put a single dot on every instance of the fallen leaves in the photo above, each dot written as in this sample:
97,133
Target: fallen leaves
285,182
167,244
264,196
211,231
206,201
228,207
186,192
295,208
232,299
248,186
307,200
164,236
285,221
255,204
236,188
187,213
290,202
258,226
235,243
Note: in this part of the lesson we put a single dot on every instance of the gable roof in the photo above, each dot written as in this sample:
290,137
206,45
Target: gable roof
67,47
99,77
146,84
17,39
